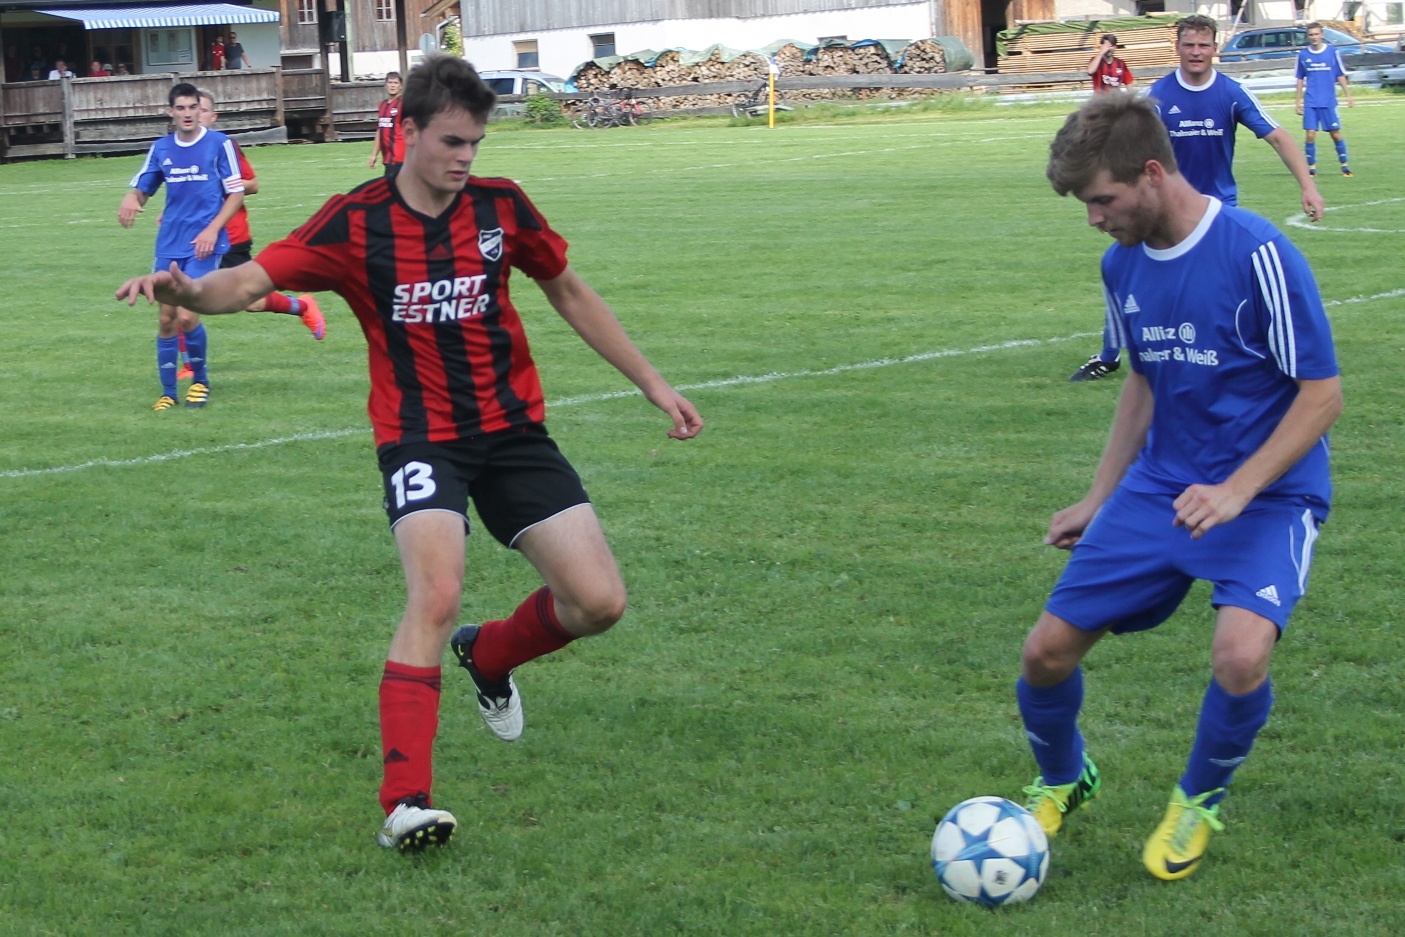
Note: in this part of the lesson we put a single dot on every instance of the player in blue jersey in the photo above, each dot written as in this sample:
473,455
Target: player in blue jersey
1320,70
1201,109
1216,467
203,191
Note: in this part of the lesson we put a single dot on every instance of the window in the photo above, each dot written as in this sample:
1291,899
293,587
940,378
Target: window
170,46
501,85
603,44
1145,7
307,12
823,39
385,11
526,51
1395,13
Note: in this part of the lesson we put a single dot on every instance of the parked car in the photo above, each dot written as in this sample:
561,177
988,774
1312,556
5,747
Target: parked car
514,82
1283,42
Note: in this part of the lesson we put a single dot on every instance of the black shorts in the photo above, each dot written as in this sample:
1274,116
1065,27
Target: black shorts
391,169
237,254
517,478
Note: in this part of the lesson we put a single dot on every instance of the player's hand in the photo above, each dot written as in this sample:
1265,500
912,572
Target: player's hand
1299,108
1201,507
1067,526
1350,101
171,287
127,213
205,243
1313,203
686,421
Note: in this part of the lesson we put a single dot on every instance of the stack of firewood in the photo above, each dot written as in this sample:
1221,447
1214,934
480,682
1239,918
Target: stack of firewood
924,57
668,70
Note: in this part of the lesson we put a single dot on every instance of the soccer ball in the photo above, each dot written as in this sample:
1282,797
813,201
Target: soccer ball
990,851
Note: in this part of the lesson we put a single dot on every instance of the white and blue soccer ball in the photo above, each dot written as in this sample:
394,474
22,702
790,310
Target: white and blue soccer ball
990,851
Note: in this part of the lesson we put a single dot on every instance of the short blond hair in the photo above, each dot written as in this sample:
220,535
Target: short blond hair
1116,132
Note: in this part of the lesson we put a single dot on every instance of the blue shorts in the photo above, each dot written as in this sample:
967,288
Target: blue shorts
1321,118
195,269
1132,568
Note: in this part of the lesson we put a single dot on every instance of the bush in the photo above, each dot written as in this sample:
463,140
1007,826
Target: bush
453,40
544,109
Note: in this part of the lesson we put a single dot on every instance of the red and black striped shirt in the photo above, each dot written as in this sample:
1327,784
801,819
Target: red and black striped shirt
1111,75
448,354
391,143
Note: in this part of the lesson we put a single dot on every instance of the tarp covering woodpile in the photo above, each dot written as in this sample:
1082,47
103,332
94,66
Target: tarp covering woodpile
675,67
1142,42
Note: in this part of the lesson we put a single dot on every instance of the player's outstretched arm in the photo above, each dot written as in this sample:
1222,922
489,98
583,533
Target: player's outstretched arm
1282,141
133,204
1128,435
1314,410
587,313
224,291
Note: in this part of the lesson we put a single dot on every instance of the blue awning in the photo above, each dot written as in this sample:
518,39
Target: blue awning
194,14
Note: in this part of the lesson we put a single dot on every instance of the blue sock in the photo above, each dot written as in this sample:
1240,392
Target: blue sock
195,353
297,306
1341,150
1050,716
168,352
1228,725
1311,153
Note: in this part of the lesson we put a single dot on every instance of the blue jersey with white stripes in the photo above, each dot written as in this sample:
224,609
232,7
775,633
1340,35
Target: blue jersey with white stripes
1201,120
1222,326
199,175
1319,72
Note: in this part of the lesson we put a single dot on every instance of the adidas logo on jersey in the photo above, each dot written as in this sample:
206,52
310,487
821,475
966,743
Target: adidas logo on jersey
166,161
1130,307
1269,594
1174,110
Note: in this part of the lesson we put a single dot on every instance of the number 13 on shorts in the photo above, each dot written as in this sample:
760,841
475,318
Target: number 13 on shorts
413,482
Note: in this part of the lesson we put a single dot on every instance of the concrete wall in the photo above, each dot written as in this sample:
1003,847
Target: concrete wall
562,50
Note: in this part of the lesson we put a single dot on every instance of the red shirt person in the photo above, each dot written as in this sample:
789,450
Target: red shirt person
217,54
423,258
1109,73
390,140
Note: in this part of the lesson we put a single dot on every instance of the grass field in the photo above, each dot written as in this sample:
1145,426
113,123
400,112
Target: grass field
829,588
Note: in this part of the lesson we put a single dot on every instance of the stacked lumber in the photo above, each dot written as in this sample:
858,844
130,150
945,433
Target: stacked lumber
1066,47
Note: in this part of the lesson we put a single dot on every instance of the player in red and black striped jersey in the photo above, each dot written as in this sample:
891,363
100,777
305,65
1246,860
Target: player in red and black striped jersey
424,258
1109,73
390,140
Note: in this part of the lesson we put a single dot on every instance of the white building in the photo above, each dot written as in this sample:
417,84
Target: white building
556,36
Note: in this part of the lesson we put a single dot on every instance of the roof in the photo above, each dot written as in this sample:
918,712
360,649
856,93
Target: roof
154,17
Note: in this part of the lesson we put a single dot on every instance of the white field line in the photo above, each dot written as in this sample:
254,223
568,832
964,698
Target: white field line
562,402
737,381
1300,220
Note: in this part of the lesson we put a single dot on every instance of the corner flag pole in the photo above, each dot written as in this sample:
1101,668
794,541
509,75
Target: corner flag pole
772,70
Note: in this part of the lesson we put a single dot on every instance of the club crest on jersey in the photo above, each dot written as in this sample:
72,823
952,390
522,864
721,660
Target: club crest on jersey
490,244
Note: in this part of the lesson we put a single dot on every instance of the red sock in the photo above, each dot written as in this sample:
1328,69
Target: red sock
280,302
409,721
531,632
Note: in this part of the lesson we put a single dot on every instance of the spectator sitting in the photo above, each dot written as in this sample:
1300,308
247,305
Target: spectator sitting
122,69
60,70
36,73
98,70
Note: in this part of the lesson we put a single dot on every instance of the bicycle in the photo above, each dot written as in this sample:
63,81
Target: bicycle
755,102
595,112
633,111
